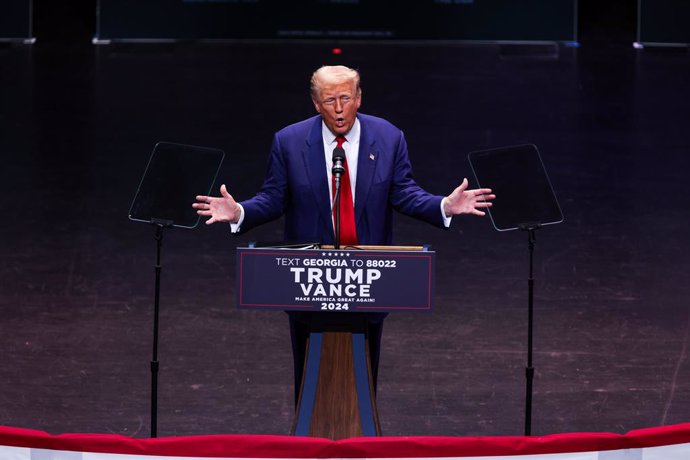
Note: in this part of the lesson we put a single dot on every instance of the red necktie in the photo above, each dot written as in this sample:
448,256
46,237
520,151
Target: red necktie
348,230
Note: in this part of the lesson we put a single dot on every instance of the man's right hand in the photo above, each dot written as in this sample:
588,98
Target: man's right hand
220,209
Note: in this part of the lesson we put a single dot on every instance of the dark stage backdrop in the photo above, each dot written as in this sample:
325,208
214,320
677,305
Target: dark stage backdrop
15,19
663,22
480,20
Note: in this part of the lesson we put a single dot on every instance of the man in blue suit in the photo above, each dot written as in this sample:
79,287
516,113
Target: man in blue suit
298,185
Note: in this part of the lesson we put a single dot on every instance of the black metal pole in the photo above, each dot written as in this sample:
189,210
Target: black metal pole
529,370
156,309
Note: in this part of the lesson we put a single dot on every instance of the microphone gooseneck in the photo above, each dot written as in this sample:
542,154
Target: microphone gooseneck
337,170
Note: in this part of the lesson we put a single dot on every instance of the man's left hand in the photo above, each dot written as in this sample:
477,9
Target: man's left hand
463,201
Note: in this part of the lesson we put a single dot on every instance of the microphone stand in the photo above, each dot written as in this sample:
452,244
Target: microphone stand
336,203
337,171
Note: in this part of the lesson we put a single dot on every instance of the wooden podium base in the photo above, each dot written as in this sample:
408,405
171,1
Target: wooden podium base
336,398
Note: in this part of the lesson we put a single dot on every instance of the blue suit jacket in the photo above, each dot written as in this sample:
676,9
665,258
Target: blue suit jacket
296,185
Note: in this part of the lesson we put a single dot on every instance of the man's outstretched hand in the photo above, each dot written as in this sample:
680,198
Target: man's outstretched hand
463,201
220,209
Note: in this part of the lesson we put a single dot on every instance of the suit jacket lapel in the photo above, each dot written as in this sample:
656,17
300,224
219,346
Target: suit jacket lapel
315,164
366,165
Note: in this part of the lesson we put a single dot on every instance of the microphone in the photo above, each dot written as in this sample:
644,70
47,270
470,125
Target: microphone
338,158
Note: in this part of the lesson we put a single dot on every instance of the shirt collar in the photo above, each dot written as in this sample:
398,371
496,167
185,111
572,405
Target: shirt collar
352,136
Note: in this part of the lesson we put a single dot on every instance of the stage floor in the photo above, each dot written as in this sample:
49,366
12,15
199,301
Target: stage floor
612,317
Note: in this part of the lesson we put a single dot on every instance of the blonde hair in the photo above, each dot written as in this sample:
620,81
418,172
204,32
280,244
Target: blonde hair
333,75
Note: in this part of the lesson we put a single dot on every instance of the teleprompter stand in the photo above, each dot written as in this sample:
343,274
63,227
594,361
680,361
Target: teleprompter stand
524,201
529,370
160,224
174,176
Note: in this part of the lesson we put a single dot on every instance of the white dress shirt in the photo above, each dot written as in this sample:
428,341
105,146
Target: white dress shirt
351,147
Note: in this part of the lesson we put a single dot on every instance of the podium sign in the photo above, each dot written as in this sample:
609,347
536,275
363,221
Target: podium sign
335,280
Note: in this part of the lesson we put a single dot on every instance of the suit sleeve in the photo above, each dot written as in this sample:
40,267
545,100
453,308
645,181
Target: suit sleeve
409,198
271,200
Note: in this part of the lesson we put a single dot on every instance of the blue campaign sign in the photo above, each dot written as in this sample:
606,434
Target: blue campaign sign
335,280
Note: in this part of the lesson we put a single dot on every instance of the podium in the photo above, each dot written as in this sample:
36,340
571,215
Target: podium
336,397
